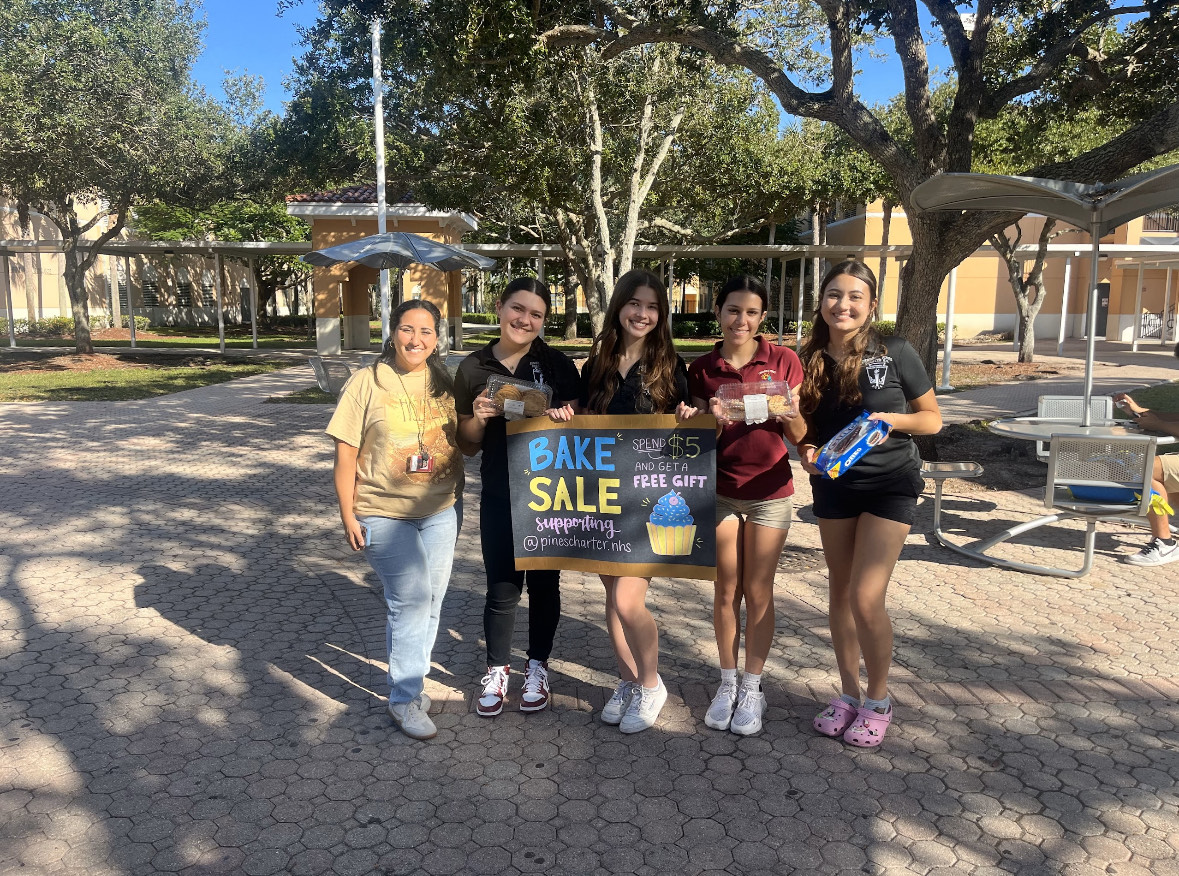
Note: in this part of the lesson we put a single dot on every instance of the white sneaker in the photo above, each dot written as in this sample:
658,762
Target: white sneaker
751,705
495,688
411,717
720,713
615,707
535,695
643,708
1156,553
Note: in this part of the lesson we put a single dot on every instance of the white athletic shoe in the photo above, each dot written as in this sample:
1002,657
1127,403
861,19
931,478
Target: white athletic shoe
643,709
411,717
720,713
615,707
751,705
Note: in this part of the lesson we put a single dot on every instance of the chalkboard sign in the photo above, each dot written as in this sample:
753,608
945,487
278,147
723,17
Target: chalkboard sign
616,495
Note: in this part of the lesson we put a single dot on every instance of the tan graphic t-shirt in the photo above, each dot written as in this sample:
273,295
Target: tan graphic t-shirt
383,420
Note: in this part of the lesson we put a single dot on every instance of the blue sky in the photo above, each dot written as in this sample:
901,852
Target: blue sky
250,36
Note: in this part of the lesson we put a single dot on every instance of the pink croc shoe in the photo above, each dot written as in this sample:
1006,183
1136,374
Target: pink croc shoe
868,730
836,718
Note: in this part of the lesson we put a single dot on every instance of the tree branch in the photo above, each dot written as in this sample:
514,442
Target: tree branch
1052,58
927,133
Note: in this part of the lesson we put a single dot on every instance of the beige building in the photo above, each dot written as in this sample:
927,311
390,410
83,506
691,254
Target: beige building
984,301
345,294
168,288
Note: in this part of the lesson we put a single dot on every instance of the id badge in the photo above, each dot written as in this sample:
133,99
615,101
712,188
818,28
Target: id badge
421,462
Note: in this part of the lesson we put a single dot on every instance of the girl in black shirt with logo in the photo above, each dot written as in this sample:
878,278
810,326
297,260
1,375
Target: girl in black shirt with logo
866,513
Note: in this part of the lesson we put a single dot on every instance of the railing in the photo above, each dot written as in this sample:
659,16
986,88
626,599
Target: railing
1161,220
1151,325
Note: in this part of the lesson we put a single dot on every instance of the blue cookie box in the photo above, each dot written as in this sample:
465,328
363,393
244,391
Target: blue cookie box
869,433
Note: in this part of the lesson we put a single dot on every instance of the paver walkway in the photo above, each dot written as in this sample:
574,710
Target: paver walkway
190,680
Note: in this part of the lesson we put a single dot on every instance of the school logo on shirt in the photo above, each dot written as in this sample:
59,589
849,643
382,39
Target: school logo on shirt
877,369
766,375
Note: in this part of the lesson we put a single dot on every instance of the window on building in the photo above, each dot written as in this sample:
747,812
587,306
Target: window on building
151,287
183,288
208,291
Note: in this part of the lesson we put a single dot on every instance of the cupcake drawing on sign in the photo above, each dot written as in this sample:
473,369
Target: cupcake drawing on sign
671,526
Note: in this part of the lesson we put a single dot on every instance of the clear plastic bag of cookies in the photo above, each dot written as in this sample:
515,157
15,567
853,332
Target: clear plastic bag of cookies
755,402
517,399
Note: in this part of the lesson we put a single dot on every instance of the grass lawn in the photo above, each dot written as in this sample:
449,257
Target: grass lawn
51,378
163,337
1163,398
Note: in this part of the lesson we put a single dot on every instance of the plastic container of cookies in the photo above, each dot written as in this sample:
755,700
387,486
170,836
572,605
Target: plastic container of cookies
518,399
755,402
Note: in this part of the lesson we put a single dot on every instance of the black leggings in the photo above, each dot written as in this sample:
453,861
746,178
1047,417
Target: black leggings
505,585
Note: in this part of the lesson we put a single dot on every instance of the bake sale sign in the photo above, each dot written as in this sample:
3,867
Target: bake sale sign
617,495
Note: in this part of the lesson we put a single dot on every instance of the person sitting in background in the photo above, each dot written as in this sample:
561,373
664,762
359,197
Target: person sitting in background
1161,548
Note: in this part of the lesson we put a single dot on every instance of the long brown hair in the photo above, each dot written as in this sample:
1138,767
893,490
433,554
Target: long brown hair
847,373
659,357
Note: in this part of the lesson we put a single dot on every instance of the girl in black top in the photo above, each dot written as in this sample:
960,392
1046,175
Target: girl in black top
634,369
520,352
865,514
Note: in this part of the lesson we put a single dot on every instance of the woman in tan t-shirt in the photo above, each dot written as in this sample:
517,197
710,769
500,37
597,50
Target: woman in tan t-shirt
399,479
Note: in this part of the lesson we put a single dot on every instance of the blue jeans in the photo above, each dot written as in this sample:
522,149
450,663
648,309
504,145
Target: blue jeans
412,558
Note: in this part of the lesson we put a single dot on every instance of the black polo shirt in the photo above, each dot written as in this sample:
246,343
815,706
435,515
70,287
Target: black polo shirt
889,379
554,369
631,397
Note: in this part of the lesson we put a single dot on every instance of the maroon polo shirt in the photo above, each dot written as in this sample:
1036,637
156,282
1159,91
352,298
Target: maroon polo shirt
751,460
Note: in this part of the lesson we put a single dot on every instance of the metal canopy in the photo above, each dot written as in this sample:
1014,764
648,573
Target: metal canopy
399,249
1097,207
1079,204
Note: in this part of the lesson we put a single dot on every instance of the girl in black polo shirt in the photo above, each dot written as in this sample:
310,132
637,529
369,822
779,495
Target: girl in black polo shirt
865,514
634,369
520,352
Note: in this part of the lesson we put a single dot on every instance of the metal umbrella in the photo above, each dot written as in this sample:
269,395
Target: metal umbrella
397,249
1097,207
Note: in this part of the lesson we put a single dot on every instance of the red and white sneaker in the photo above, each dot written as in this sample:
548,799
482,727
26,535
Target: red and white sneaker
536,687
495,688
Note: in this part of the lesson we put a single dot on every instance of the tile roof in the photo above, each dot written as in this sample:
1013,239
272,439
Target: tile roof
363,193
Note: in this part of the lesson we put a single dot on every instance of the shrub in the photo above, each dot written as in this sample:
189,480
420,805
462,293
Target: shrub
142,323
886,327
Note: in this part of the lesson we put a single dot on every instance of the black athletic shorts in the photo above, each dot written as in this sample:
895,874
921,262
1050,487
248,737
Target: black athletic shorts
892,500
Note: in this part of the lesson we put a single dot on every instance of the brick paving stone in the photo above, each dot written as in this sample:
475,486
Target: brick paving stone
204,706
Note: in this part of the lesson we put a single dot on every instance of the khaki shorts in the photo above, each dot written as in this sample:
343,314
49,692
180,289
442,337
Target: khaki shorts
1170,464
772,513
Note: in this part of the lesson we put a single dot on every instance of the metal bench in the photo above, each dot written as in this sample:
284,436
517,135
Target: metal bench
330,374
939,473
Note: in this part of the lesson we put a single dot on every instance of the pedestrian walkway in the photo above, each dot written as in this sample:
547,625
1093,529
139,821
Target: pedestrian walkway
191,678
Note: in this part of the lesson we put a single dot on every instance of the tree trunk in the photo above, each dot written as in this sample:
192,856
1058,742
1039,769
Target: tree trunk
885,229
813,303
75,278
570,284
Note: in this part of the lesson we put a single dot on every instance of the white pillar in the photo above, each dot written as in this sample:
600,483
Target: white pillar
1166,308
220,303
949,343
130,301
382,207
1137,308
253,301
782,305
1068,271
8,302
801,286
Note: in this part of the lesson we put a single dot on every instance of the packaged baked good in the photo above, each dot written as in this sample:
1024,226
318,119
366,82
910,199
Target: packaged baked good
849,445
755,402
517,399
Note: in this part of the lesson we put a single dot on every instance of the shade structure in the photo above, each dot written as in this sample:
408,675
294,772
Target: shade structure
399,249
1095,207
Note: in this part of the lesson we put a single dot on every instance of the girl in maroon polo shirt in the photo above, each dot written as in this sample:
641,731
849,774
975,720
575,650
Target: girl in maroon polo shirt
753,507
